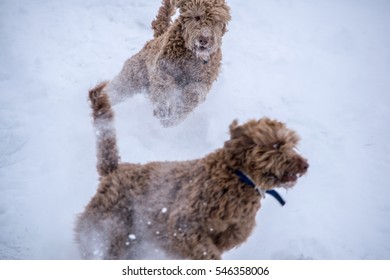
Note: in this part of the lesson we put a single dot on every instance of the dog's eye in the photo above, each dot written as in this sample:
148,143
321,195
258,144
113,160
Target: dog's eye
197,18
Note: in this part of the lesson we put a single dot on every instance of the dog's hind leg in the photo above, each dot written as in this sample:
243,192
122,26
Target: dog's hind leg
103,237
103,230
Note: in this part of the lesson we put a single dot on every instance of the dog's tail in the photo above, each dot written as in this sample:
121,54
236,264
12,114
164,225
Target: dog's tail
103,118
163,18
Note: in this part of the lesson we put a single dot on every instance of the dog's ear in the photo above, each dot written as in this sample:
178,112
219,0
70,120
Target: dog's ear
222,11
273,134
240,132
235,130
233,124
239,141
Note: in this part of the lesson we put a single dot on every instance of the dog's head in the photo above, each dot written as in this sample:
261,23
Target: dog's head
204,23
266,151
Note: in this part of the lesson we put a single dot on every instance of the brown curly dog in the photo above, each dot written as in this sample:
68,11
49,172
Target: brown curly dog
193,209
177,68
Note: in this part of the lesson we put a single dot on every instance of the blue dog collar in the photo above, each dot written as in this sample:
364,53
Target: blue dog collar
245,179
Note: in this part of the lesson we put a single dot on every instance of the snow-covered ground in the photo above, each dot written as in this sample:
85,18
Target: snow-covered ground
323,67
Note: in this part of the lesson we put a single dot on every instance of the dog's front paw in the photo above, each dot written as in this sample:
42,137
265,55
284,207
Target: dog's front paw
162,112
167,114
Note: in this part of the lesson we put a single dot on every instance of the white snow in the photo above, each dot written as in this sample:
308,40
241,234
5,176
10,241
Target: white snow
320,66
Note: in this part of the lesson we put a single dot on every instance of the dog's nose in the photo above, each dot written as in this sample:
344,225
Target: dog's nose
203,41
303,165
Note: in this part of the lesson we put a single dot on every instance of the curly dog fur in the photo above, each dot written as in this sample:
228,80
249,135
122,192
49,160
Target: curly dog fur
177,68
193,209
